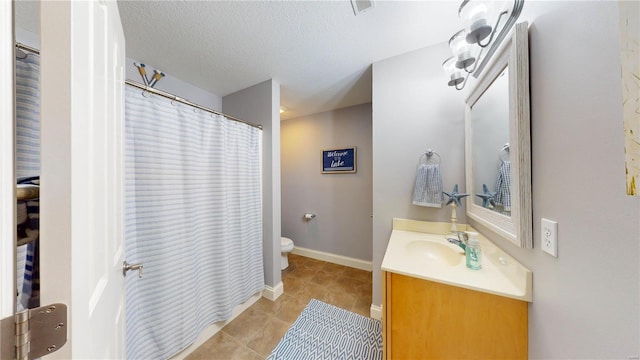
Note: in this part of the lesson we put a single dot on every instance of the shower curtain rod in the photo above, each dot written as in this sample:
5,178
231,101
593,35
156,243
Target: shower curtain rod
185,101
27,48
158,92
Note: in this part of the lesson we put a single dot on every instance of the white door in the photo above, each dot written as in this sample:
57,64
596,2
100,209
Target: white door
81,202
7,175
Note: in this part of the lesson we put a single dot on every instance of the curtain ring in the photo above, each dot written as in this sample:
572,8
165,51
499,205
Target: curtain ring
144,93
24,54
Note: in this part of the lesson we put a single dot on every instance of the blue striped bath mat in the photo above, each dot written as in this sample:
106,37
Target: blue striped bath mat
326,332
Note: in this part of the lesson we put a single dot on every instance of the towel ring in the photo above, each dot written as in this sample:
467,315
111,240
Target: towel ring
429,157
504,150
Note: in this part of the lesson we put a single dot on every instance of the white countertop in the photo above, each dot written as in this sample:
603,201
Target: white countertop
500,274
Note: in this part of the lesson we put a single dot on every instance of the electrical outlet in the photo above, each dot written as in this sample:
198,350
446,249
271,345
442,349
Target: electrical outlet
549,235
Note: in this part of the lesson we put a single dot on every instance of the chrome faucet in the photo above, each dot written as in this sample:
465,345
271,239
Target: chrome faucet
461,240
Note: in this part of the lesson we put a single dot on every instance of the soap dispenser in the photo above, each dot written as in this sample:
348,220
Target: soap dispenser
473,252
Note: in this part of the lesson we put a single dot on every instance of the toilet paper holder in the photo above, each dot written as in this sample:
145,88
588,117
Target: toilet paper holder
309,216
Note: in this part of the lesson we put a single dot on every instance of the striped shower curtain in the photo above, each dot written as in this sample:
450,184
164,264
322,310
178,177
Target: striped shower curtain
193,219
27,165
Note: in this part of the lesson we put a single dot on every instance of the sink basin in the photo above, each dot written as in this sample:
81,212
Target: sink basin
434,252
419,249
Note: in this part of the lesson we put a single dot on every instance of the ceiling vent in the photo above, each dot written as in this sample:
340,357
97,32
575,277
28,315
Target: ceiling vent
361,6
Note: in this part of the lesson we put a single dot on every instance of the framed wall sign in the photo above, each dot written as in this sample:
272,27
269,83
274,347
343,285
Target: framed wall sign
339,161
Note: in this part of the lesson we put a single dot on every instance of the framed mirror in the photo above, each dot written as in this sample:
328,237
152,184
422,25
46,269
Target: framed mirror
498,143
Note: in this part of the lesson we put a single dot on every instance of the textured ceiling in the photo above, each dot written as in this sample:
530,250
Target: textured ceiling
319,52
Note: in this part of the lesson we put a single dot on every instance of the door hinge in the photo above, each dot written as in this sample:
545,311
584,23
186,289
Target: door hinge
38,332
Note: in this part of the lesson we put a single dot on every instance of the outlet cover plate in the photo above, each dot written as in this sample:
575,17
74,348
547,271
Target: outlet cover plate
549,237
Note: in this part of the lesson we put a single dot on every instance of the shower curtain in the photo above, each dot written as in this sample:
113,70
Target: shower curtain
27,165
193,218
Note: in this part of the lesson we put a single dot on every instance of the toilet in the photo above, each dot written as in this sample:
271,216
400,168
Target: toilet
286,246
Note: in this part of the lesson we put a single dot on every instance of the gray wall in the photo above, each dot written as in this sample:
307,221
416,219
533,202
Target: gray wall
490,132
24,36
585,302
260,104
175,86
342,202
169,83
413,110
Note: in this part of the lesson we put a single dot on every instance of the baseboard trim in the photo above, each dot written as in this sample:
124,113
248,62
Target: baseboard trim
272,293
207,333
375,312
333,258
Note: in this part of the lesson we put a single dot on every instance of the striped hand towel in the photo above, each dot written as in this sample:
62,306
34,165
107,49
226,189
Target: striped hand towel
503,186
428,186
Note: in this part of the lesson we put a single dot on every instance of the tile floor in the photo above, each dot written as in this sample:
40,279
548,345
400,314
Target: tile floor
254,333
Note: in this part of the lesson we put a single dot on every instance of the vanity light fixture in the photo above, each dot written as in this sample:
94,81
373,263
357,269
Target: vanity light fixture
455,75
467,44
462,50
476,26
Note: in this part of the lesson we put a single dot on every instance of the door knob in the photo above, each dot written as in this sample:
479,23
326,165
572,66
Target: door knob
126,267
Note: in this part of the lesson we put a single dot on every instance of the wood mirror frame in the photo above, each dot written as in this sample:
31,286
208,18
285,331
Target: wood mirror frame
517,228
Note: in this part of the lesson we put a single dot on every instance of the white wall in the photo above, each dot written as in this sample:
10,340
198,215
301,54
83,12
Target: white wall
413,110
175,86
342,202
586,302
260,104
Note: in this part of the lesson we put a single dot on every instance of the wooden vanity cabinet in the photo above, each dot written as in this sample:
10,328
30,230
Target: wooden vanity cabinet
428,320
